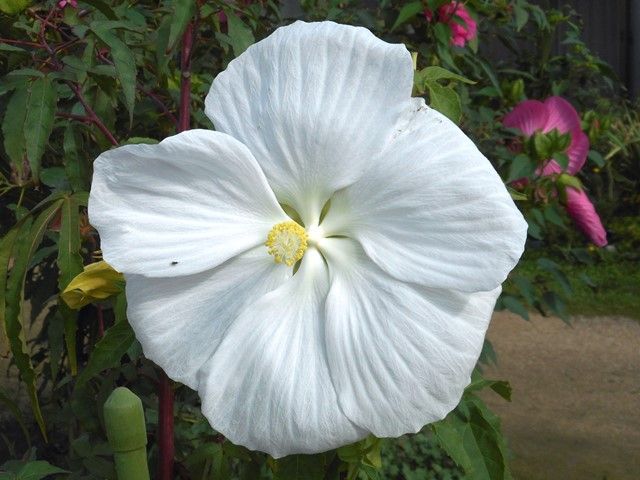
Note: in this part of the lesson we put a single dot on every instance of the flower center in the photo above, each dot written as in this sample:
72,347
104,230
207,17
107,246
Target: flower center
287,242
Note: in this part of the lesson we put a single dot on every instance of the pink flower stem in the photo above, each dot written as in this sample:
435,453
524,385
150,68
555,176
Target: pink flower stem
165,389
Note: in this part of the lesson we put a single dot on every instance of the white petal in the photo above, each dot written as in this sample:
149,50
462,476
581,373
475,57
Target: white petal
313,102
400,355
432,210
180,207
181,322
267,387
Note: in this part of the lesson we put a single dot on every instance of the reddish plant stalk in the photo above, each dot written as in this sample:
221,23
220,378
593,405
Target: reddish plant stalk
185,83
165,428
165,390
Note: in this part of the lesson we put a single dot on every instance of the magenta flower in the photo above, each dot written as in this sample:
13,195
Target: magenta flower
64,3
463,27
583,213
531,116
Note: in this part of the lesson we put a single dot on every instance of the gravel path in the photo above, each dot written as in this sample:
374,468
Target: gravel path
575,412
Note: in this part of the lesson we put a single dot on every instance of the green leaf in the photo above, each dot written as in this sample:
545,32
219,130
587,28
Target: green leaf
558,275
562,159
13,128
28,240
407,12
183,11
108,351
434,73
124,62
6,248
301,467
471,437
240,35
13,407
39,119
11,7
515,195
521,167
69,265
75,167
103,8
139,140
501,387
521,14
445,100
596,158
55,178
38,470
514,305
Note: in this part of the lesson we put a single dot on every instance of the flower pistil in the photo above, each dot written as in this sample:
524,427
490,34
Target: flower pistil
287,242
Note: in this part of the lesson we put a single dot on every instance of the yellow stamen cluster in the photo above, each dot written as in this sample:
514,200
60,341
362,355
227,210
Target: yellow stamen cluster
287,242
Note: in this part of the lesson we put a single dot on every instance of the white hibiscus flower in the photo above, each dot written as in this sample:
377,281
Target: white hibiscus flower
366,316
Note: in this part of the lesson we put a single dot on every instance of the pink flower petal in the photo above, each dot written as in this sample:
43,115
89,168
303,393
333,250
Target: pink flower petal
562,116
583,213
528,117
549,168
577,151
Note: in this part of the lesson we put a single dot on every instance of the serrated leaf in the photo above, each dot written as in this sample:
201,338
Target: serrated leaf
38,122
240,35
183,11
445,100
407,12
6,248
13,128
108,351
124,62
69,266
74,166
28,239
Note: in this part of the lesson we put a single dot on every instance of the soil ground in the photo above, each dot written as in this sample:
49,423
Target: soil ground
575,411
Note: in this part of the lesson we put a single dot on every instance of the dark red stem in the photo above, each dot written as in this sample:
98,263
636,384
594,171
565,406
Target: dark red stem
100,322
185,84
91,115
165,428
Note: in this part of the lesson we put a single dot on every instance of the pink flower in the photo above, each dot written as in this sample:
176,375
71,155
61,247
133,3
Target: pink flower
463,27
583,213
531,116
64,3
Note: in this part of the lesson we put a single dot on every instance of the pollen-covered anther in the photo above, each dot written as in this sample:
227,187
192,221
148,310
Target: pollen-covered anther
287,242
